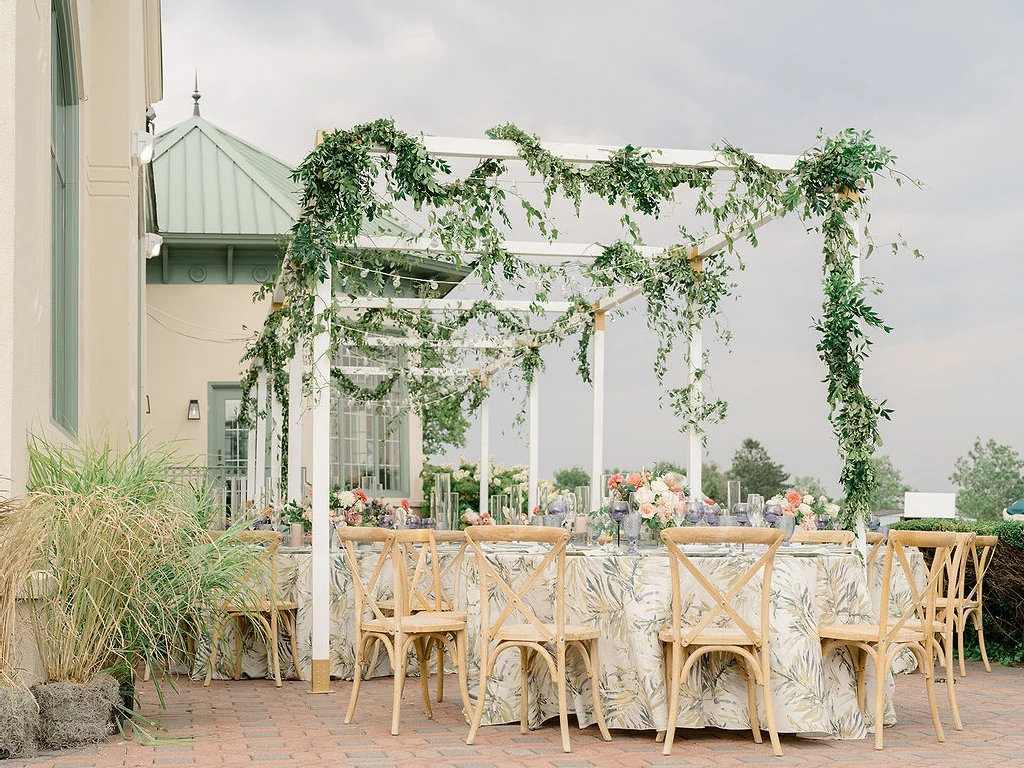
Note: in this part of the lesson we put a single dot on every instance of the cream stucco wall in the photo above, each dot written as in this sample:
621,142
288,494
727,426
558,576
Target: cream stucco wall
195,337
118,64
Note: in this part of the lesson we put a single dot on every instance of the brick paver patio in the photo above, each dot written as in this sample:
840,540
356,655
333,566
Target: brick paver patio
250,723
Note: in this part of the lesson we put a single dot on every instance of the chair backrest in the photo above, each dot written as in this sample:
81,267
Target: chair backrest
417,583
948,549
843,538
451,569
364,591
479,535
980,556
271,543
876,542
722,603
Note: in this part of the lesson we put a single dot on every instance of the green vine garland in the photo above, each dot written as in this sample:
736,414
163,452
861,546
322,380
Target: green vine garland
341,180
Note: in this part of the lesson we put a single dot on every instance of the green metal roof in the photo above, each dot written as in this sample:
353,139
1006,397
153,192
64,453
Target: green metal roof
209,181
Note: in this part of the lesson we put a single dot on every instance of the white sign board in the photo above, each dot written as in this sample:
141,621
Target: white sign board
929,505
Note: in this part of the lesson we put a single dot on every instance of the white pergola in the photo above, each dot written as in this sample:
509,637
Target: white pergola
478,149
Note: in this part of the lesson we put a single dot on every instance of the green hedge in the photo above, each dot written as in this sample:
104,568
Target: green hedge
1004,587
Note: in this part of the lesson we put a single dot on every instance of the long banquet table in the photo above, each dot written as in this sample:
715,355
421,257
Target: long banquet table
629,599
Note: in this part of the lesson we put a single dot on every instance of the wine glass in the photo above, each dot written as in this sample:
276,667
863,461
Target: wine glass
756,503
679,511
695,513
617,511
631,525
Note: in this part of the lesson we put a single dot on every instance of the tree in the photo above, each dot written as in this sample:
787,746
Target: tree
569,479
812,485
756,471
891,487
990,478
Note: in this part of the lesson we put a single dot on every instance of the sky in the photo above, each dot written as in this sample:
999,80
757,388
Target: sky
938,82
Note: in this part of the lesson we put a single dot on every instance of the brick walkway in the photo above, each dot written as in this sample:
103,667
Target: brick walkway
250,723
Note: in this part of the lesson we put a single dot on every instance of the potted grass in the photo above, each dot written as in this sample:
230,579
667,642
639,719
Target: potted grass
19,715
125,547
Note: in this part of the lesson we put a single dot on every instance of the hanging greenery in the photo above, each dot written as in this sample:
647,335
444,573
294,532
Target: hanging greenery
354,178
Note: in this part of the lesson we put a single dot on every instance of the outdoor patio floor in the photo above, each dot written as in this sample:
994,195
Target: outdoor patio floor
252,723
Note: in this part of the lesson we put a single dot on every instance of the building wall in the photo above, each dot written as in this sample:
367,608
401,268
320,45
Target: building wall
117,52
195,336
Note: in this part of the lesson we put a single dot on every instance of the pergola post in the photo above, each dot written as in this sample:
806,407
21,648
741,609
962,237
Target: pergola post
250,468
695,466
260,491
276,432
533,464
485,447
295,425
321,568
597,447
860,528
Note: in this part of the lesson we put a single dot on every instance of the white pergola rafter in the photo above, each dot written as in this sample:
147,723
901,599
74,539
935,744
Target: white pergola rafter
522,248
498,150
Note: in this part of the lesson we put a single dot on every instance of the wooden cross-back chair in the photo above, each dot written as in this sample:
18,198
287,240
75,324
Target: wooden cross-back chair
842,538
876,545
401,629
518,626
266,607
913,629
970,605
748,642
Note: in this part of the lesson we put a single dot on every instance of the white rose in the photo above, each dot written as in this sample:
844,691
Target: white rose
645,495
805,509
346,498
659,486
823,499
808,499
832,509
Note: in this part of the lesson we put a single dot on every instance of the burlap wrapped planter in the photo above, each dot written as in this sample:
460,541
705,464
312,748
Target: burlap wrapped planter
76,714
19,722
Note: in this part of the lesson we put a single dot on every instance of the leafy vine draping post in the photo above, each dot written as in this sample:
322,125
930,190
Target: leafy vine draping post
467,215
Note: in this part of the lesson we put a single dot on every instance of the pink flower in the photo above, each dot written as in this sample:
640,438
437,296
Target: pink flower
793,497
405,504
635,479
614,481
647,511
359,494
352,517
664,513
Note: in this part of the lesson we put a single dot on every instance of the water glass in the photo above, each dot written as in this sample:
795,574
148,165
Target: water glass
732,493
756,503
631,527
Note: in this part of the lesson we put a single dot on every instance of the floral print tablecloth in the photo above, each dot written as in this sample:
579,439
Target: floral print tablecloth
629,599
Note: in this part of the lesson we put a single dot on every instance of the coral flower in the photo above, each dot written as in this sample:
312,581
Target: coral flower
614,481
359,494
793,497
635,479
405,504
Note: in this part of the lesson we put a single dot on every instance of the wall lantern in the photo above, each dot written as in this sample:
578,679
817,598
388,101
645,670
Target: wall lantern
153,244
143,144
193,410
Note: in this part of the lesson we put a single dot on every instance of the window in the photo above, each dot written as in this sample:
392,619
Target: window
64,173
369,439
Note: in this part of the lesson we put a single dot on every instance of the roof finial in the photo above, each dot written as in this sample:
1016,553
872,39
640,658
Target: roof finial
196,97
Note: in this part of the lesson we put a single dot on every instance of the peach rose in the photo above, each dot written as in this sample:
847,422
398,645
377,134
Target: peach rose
794,498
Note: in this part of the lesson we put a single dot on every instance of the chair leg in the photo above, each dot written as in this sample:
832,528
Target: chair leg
979,624
881,672
929,682
293,622
769,704
860,661
275,651
595,690
563,704
401,655
755,723
947,664
673,697
460,669
439,646
960,619
478,712
659,737
215,639
524,688
238,647
422,646
356,674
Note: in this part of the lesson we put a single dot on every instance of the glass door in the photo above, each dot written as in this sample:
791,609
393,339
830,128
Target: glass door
228,444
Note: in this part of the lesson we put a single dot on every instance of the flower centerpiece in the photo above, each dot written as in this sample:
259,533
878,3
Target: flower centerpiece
293,512
807,509
471,517
347,507
655,498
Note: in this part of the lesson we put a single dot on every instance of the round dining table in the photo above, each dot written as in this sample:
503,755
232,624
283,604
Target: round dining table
628,597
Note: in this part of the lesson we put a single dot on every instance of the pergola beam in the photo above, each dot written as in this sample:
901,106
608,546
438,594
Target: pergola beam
441,305
523,248
483,342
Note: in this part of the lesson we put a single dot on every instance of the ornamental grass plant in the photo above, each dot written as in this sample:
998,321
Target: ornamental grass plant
131,570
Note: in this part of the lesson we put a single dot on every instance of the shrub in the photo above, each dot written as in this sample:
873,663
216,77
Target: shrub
1004,587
